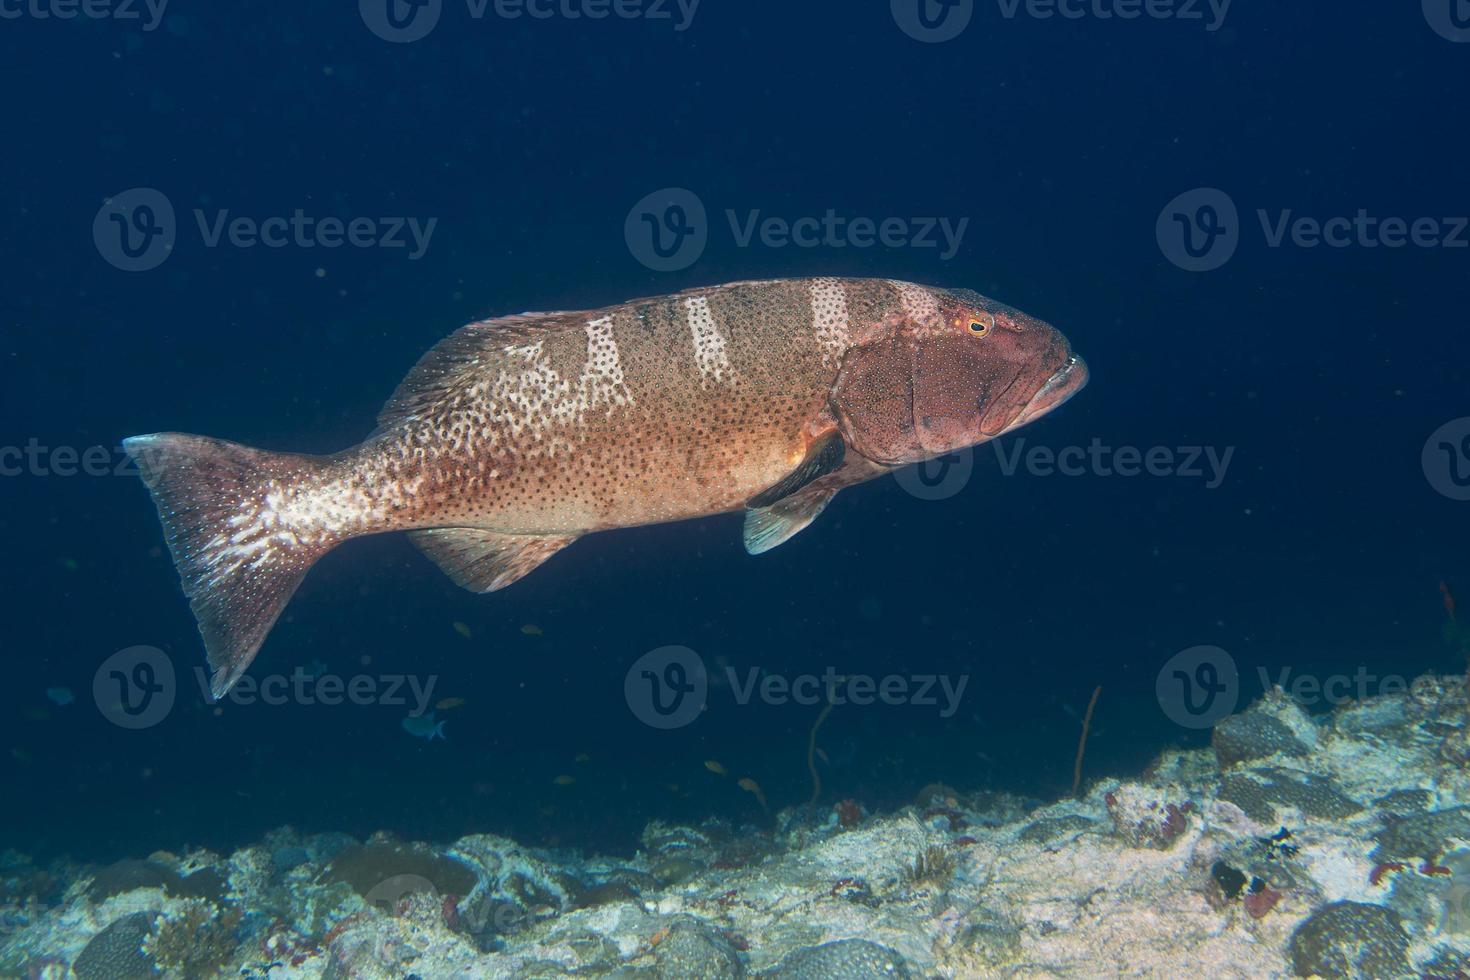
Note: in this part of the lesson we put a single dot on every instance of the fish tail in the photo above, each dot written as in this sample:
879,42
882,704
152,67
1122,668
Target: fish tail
243,526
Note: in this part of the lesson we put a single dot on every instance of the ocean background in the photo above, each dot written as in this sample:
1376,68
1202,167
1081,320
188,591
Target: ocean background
1324,370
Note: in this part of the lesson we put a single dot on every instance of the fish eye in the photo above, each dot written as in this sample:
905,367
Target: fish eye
981,324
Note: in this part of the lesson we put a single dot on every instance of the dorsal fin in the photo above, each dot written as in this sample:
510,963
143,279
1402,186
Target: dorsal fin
462,352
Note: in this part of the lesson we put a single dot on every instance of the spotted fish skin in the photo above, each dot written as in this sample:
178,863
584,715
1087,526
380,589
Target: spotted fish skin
514,436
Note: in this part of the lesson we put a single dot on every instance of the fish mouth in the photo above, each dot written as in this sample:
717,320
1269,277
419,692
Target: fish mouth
1059,388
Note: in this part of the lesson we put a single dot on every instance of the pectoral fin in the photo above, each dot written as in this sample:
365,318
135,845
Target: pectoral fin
767,527
823,457
483,561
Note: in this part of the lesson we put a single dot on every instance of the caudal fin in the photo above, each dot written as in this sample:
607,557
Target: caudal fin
238,524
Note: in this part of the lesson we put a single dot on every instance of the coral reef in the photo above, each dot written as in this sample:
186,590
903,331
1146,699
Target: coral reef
1336,846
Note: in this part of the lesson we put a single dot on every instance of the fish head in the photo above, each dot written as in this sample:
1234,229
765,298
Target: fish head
952,370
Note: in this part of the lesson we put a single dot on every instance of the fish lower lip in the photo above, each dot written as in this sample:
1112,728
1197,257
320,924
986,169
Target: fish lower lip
1060,387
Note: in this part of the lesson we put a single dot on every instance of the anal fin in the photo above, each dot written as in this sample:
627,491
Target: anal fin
483,561
767,527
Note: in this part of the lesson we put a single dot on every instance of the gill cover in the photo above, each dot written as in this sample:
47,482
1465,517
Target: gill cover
873,400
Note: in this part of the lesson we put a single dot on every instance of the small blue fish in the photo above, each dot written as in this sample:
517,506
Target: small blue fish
60,696
423,726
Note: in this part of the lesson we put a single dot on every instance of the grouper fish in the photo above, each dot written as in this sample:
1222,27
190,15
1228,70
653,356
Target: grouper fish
515,436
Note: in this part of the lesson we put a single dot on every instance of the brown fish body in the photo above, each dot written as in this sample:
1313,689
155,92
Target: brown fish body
513,437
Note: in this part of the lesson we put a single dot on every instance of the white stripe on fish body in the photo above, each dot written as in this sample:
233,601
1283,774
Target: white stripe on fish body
529,399
709,344
830,322
919,305
602,379
532,398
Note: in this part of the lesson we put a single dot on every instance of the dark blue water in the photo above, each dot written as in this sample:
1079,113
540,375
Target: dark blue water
1323,370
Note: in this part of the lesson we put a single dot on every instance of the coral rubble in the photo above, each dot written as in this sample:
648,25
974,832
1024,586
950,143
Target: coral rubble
1336,846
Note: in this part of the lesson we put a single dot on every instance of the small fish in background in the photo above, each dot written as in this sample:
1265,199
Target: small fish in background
424,726
753,787
564,780
35,714
583,758
1449,601
462,629
448,704
531,629
715,767
60,696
